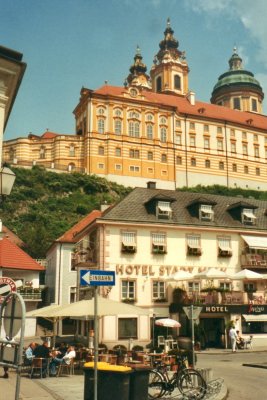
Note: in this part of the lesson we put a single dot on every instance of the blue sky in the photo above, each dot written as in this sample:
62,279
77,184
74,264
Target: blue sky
68,44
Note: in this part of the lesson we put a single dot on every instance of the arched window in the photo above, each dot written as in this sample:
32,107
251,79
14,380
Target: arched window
177,82
101,150
134,124
164,158
42,152
12,154
163,134
149,131
72,150
159,84
117,126
101,125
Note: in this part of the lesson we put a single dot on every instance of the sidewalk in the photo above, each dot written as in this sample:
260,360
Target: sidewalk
61,388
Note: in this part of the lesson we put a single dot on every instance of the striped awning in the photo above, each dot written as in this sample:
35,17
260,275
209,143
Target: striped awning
255,317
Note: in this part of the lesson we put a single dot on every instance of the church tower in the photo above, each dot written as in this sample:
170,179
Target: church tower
138,76
169,74
237,88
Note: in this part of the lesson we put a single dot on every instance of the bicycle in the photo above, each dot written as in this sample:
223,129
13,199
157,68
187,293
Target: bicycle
188,381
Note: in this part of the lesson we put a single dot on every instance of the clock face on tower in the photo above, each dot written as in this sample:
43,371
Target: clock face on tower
133,92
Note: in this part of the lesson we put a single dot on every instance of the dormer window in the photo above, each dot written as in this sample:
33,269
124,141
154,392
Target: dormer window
248,217
206,213
159,243
224,247
164,210
128,242
193,245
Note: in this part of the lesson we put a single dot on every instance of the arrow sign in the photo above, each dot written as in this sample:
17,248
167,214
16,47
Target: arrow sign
96,278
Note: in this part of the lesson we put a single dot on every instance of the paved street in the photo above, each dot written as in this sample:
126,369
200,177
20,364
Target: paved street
242,382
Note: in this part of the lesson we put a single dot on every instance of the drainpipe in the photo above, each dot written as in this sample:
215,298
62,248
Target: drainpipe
186,160
174,148
226,154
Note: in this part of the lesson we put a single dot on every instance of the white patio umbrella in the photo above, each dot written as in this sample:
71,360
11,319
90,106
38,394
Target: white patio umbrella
180,276
247,274
168,323
212,273
85,308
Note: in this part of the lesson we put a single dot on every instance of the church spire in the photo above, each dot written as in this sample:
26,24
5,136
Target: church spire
169,72
138,70
235,62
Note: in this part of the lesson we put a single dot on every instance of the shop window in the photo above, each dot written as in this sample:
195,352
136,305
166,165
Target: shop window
127,328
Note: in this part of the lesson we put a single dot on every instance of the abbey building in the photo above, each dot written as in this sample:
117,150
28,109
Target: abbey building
154,129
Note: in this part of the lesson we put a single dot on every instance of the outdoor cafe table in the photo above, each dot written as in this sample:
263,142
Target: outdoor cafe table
155,357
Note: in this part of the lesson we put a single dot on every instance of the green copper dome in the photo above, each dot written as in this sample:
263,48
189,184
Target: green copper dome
236,77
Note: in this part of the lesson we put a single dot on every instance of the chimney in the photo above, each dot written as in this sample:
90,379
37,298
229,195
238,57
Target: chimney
191,97
151,185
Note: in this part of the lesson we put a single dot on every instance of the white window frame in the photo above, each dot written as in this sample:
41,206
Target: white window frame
128,289
164,209
206,212
248,216
158,240
158,290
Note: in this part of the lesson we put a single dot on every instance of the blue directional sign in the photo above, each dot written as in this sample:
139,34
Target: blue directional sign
96,278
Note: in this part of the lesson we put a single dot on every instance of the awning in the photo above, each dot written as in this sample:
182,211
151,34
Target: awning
249,214
255,318
256,242
164,208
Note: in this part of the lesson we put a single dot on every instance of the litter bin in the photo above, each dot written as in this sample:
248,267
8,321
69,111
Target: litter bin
139,382
113,381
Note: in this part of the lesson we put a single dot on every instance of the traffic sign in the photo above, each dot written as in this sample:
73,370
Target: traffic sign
96,278
192,312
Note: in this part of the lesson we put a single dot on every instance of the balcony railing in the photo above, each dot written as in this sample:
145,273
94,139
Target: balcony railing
256,261
33,294
228,297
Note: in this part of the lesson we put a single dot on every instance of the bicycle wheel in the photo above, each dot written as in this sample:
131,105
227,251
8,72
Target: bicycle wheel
156,385
191,384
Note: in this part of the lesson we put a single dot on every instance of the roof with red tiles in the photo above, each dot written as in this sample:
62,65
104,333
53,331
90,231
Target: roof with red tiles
69,236
184,107
49,135
13,257
11,236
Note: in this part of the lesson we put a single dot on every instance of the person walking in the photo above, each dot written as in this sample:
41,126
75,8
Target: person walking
233,337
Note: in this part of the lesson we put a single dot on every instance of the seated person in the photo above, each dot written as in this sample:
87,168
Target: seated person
42,351
29,354
71,353
62,350
240,342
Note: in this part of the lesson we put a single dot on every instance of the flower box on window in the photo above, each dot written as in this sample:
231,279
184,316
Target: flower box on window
128,248
194,251
225,253
160,300
159,249
129,300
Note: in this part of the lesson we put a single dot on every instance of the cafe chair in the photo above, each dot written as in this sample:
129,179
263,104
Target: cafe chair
248,343
67,368
161,341
37,367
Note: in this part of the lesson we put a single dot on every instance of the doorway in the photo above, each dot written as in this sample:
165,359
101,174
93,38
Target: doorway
214,329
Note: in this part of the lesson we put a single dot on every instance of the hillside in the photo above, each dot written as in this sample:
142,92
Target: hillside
44,204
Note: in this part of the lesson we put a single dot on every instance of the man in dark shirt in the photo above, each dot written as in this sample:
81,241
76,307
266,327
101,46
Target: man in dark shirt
42,351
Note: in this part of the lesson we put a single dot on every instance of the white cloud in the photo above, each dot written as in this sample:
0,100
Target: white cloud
251,14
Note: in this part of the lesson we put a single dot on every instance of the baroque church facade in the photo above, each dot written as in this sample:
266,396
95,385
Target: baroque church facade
154,129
